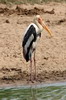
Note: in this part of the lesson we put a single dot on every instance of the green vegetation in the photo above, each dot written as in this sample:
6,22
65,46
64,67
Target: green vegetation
11,1
27,1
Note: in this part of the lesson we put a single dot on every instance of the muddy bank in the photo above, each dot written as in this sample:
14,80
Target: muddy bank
50,53
19,75
24,11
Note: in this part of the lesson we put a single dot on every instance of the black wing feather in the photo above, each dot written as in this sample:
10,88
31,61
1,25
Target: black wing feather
30,31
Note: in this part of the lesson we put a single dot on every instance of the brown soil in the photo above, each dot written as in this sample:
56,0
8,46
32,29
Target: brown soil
24,11
50,53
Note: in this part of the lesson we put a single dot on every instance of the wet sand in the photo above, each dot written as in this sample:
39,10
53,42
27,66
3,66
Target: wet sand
50,53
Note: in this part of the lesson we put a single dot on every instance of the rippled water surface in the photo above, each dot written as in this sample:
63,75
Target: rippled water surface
36,92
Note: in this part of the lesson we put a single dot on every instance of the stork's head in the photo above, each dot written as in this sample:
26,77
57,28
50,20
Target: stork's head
41,22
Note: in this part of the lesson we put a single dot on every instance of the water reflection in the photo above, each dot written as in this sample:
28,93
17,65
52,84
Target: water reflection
33,92
42,92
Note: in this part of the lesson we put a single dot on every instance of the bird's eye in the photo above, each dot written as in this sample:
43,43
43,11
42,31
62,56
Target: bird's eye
39,19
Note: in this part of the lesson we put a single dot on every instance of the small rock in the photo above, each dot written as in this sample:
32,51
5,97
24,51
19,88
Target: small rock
7,21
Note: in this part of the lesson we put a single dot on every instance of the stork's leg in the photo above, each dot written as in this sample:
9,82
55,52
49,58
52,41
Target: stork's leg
31,69
35,64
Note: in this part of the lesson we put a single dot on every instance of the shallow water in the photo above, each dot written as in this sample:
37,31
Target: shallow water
55,91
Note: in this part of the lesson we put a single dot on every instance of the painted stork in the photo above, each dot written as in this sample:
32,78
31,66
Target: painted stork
31,36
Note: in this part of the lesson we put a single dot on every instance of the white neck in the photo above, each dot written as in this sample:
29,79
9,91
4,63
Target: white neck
39,26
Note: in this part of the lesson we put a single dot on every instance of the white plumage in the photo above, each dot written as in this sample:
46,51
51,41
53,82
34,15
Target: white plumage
31,36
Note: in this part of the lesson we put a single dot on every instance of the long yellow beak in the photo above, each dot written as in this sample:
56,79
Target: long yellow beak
46,28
